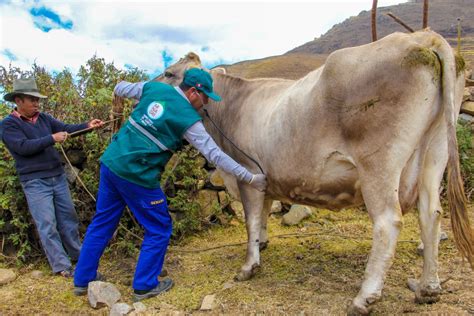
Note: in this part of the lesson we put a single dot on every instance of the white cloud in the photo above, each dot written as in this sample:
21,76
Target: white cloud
136,33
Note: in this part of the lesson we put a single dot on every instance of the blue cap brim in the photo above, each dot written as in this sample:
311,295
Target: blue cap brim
213,96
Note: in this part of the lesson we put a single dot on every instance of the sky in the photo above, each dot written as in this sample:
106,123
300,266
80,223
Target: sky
151,35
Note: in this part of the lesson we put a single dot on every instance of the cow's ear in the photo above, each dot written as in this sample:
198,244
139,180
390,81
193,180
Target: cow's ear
218,70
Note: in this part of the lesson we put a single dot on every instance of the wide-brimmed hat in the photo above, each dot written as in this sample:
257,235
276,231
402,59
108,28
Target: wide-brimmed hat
201,80
24,86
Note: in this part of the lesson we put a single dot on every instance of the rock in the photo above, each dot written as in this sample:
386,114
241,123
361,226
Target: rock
296,214
276,207
468,107
120,309
139,307
216,180
413,284
466,117
224,198
200,161
100,293
208,302
207,199
442,237
71,173
76,156
466,95
238,209
228,285
37,274
6,276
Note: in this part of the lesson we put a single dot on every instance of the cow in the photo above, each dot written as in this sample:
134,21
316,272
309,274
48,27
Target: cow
374,125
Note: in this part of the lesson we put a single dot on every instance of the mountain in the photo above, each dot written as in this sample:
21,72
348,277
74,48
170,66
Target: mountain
442,17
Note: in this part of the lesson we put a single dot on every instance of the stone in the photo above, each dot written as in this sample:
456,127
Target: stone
466,117
76,156
466,95
224,198
238,209
276,207
120,309
228,285
468,107
413,284
71,173
216,180
37,274
296,214
139,307
421,247
6,276
100,293
207,199
208,302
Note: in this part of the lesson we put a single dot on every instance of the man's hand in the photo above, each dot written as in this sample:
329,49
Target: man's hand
60,137
259,182
95,123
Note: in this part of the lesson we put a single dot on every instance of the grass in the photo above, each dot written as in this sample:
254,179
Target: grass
316,272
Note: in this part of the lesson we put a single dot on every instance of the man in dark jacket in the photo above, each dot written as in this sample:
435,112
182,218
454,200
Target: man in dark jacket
30,136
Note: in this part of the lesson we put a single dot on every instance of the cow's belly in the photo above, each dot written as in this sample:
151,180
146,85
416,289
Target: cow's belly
334,185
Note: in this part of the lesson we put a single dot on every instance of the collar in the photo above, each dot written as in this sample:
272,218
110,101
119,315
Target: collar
181,92
32,119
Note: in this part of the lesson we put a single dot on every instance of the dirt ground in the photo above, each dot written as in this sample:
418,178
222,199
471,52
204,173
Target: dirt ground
313,269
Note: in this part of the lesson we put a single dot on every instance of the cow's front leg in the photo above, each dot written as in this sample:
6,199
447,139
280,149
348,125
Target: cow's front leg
385,212
252,201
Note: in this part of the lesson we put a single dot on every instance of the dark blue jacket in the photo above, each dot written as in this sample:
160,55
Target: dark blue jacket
32,145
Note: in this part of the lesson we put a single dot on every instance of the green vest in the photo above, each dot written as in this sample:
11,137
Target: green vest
162,113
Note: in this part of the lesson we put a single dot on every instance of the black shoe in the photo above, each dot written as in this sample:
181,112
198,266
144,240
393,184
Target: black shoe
164,286
82,290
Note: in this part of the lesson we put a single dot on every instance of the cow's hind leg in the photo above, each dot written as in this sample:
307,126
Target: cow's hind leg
252,201
381,199
267,205
429,206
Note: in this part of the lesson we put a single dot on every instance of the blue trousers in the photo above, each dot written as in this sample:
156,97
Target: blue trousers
50,205
150,209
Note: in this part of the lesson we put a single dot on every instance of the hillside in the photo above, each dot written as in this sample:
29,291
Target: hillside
356,30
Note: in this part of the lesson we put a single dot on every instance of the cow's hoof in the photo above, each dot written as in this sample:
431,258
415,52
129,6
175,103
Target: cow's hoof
245,275
356,310
427,294
263,245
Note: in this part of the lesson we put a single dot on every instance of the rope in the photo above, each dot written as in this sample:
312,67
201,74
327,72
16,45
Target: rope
289,235
90,194
235,146
82,131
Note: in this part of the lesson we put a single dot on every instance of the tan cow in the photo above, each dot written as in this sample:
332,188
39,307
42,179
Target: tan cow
376,126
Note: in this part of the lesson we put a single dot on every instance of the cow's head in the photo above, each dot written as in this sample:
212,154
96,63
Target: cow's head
173,75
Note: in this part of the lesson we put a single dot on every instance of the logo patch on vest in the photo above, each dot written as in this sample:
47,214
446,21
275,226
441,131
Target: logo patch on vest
155,110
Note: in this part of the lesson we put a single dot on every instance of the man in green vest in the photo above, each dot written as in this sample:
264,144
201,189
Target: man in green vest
131,169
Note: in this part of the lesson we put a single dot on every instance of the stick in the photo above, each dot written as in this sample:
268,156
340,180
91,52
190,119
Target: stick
400,22
85,130
425,14
374,20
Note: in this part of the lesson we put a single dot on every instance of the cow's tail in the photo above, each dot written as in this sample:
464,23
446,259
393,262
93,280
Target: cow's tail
463,234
